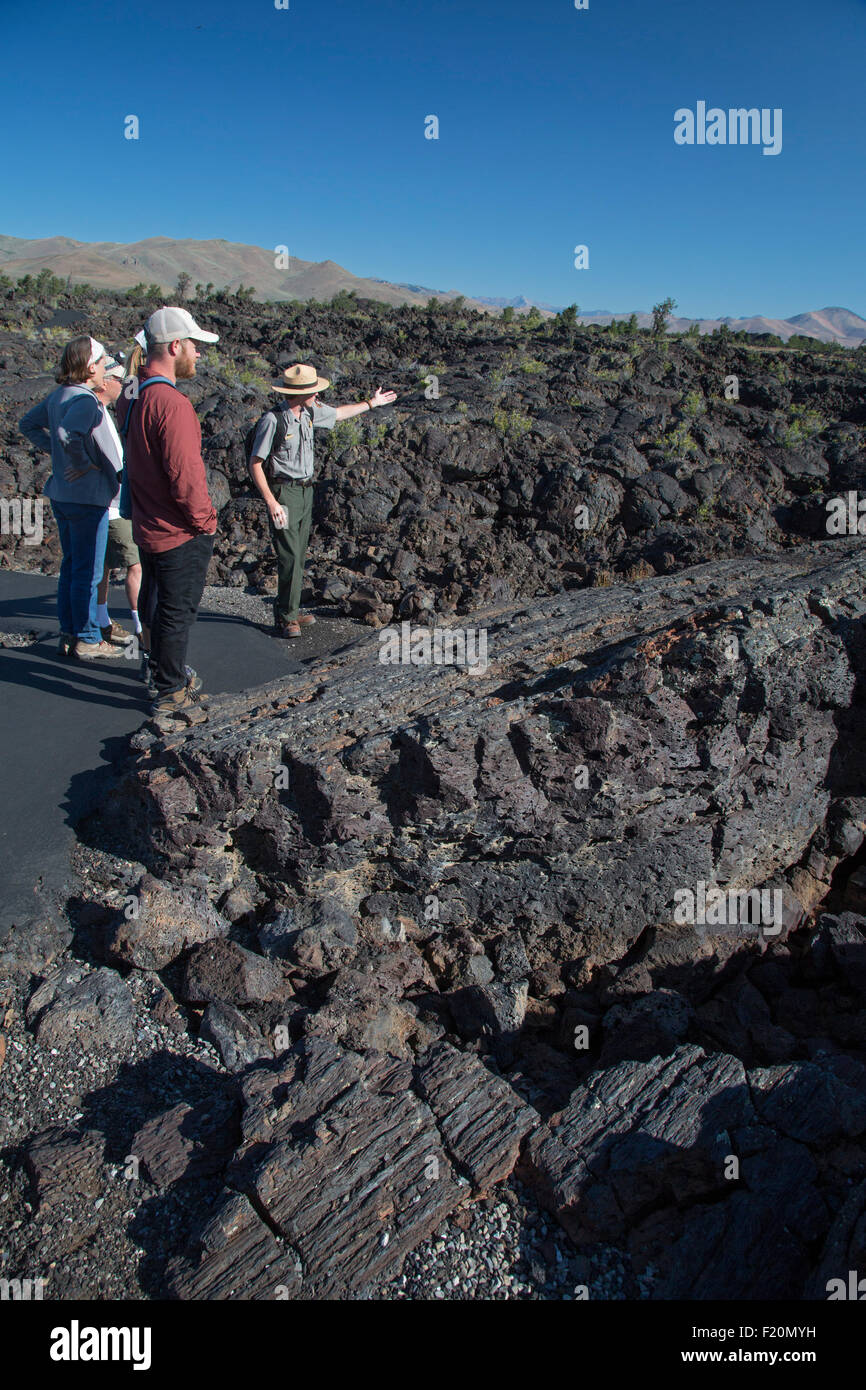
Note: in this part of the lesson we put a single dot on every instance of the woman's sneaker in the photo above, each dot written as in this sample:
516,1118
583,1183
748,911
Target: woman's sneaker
65,643
88,651
193,680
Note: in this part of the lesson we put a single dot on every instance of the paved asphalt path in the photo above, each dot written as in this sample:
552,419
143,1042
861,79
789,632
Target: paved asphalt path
65,722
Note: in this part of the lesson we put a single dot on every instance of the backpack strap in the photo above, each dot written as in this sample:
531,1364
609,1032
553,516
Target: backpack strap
148,381
281,432
124,502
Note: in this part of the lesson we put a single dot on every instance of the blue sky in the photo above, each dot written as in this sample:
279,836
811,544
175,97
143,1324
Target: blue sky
305,127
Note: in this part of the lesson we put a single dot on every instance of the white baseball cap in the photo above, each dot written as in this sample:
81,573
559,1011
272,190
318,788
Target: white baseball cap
170,323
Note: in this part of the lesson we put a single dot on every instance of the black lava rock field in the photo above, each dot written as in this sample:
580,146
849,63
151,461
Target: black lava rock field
383,943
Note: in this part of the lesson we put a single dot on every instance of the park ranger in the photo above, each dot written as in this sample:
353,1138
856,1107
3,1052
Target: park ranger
283,440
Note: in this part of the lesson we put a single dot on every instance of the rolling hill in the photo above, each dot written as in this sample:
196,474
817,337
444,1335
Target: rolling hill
228,265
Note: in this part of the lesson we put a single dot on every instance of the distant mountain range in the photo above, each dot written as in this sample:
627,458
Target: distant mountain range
227,265
830,325
520,303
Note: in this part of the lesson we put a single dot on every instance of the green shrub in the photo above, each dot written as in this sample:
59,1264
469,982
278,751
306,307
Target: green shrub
804,424
779,368
250,378
803,343
346,434
661,314
692,405
510,424
677,443
613,371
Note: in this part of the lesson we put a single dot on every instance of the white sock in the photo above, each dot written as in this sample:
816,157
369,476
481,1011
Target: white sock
136,622
102,615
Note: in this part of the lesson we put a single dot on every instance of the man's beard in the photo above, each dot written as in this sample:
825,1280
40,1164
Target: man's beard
184,368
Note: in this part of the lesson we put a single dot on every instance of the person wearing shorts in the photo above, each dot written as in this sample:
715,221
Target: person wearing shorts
121,552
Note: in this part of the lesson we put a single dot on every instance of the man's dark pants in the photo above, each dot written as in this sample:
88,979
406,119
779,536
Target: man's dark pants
179,577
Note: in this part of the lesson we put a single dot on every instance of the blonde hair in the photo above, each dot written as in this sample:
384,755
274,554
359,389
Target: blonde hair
134,361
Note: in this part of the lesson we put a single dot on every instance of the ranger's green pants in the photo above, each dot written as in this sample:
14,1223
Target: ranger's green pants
290,546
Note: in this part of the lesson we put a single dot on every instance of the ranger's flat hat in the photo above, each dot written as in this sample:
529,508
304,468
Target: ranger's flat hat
301,380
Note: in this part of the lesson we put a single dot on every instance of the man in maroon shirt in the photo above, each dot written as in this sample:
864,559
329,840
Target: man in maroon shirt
173,517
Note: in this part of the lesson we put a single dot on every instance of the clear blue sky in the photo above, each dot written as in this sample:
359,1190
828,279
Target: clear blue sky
305,127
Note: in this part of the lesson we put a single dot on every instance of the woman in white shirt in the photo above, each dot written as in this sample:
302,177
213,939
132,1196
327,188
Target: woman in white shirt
121,552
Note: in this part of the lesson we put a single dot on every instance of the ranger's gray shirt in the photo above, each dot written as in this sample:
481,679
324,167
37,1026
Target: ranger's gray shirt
295,458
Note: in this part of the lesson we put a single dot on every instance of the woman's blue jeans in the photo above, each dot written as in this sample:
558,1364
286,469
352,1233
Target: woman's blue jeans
83,531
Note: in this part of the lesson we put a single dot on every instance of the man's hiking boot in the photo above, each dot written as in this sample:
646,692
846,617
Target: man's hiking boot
193,679
115,633
305,620
178,708
286,629
88,651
